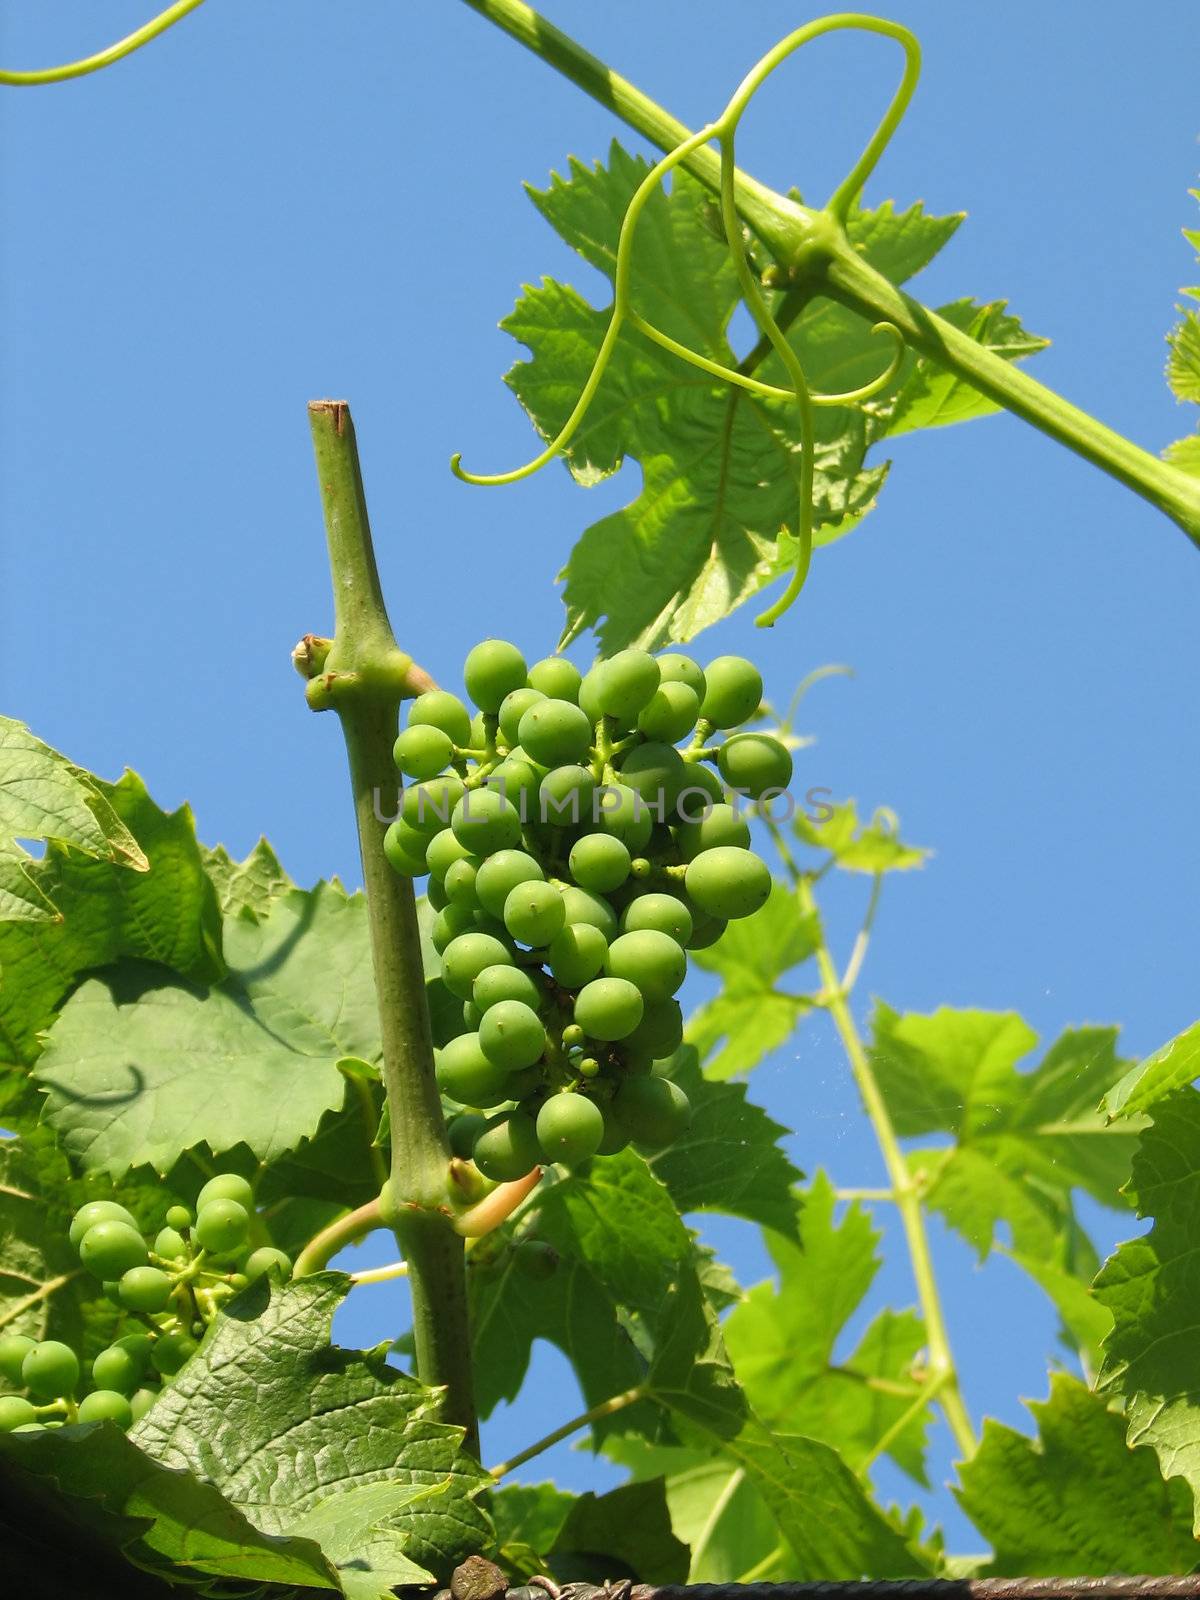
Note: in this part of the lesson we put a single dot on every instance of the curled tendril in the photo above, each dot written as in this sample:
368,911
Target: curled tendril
103,58
724,130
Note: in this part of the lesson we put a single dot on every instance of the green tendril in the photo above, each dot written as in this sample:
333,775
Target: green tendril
103,58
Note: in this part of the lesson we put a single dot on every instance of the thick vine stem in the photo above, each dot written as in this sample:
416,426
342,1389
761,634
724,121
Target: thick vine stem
364,659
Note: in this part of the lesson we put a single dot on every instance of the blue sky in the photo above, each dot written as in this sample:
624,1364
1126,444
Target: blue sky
287,199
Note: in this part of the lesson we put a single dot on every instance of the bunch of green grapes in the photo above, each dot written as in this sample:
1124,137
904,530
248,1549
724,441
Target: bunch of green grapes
173,1286
579,840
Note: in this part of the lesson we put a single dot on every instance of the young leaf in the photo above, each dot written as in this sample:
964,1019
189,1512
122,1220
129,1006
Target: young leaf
873,846
1173,1066
1076,1501
750,1013
1183,368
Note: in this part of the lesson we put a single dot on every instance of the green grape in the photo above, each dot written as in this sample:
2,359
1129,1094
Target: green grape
589,692
535,1259
600,862
238,1281
505,983
222,1225
654,1111
569,1128
459,883
492,670
534,913
619,810
170,1244
672,713
728,882
615,1137
397,847
682,669
706,932
754,764
627,683
589,1067
608,1008
266,1259
465,957
171,1352
450,922
462,1132
659,1033
665,913
495,929
472,1014
97,1211
733,690
583,906
722,826
512,1036
566,797
428,807
145,1288
111,1291
512,710
106,1405
437,708
435,893
179,1218
650,960
555,733
226,1186
700,793
119,1368
51,1369
528,1081
573,1036
465,1074
517,779
508,1147
656,772
486,821
14,1347
422,752
141,1401
556,677
443,851
15,1412
577,954
111,1248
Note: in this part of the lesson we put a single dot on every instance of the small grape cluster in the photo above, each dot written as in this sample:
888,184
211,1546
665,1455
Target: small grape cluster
575,854
174,1285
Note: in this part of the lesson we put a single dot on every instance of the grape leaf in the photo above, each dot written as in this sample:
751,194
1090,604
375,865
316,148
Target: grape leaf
1183,367
630,1528
1077,1501
783,1339
750,1013
720,468
528,1518
1173,1066
309,1440
729,1159
254,1059
1152,1358
873,846
249,885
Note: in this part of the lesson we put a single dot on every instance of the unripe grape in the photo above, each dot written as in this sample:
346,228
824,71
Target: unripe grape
665,913
650,960
141,1401
615,1137
144,1289
51,1369
179,1218
534,913
589,1067
106,1405
733,690
403,849
435,895
656,772
589,692
654,1111
492,670
573,1036
437,708
577,954
120,1367
600,862
465,1073
659,1033
583,906
171,1352
535,1259
444,850
608,1008
462,1132
627,683
500,874
569,1128
15,1412
517,779
512,1036
728,882
505,983
722,826
422,752
14,1347
508,1148
755,763
566,797
226,1186
486,821
221,1225
170,1244
671,714
556,677
450,922
460,883
513,709
555,733
111,1248
700,793
682,669
97,1211
621,811
266,1259
465,957
428,807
